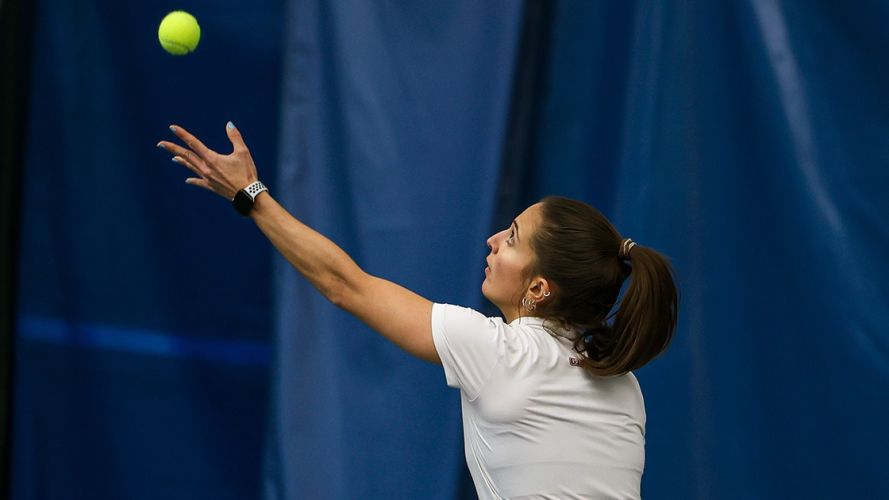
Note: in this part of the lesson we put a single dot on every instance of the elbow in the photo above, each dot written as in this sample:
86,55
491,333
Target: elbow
342,292
337,291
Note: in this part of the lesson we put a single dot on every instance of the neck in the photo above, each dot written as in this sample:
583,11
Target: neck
513,314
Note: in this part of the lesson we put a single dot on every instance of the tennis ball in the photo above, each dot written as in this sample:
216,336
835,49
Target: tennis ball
179,33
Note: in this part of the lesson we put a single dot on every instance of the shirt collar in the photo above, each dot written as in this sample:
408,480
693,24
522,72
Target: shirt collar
550,326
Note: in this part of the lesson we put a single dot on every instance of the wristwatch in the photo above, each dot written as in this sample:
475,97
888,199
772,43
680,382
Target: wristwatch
244,199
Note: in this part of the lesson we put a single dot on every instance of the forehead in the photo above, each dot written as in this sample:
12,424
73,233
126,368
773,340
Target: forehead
528,220
530,216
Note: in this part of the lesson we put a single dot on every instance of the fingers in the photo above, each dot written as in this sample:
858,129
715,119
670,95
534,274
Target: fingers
206,163
193,143
185,163
198,182
181,152
234,135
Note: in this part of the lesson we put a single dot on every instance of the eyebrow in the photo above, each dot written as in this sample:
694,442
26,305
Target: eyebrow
516,224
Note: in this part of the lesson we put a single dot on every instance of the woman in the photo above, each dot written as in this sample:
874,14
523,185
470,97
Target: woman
550,406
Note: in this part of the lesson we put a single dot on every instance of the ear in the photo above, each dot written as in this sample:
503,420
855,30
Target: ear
539,290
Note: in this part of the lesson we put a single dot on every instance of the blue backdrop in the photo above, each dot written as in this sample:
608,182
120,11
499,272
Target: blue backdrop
747,140
143,317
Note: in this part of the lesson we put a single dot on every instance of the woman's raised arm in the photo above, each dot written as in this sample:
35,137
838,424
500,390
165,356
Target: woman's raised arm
395,312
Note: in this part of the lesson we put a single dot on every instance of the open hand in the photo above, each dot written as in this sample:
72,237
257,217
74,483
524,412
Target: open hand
225,175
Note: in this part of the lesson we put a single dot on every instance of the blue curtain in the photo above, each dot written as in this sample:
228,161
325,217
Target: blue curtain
163,351
749,141
143,304
391,140
745,140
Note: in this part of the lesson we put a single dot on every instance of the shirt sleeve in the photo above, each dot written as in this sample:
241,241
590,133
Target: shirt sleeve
469,344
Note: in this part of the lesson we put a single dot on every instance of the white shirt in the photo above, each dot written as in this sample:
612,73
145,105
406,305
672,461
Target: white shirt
534,425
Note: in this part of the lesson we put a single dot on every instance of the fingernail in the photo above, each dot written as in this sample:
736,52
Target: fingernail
172,128
161,145
230,126
175,159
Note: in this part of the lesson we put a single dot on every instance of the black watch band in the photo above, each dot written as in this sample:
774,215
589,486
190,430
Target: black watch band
245,198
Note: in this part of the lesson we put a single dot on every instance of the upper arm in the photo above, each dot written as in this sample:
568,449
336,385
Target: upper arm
397,313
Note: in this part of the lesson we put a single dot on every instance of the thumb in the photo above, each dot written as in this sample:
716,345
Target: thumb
235,136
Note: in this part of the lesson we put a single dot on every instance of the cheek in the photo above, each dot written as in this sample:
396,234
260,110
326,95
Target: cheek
509,274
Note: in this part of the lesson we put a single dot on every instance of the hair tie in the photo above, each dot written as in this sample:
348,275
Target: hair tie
625,247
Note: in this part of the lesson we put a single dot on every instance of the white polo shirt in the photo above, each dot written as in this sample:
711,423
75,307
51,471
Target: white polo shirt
534,425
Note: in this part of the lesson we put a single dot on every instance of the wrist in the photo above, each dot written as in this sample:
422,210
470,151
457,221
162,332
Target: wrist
261,203
245,199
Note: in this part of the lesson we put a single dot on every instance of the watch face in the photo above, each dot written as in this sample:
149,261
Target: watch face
242,203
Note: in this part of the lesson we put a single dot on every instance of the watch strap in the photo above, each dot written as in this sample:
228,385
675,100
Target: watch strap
254,189
245,198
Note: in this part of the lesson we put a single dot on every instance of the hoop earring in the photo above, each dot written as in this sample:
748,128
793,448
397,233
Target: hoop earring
528,304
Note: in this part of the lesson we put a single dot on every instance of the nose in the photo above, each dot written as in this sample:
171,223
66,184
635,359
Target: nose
494,241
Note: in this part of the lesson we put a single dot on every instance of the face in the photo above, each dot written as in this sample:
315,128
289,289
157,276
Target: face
506,280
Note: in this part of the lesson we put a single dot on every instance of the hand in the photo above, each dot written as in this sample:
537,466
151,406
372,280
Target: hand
225,175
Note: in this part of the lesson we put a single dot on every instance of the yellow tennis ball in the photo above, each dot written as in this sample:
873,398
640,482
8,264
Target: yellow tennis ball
179,33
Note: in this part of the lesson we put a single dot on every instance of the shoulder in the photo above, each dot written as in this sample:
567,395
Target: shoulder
472,346
468,343
456,327
463,324
448,315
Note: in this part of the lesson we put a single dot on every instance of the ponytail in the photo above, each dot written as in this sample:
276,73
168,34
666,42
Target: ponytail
643,322
583,255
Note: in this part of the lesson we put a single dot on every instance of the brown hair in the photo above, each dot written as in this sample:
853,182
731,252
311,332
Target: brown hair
578,252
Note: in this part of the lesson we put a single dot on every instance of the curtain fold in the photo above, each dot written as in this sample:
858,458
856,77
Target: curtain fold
393,128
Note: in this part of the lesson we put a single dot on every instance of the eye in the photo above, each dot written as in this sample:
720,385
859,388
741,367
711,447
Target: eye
511,239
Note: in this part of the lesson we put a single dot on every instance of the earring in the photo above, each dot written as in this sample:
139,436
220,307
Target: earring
528,304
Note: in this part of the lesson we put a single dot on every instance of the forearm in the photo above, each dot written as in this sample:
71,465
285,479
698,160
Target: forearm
397,313
318,259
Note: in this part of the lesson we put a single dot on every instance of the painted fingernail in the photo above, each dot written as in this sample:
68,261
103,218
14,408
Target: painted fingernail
161,145
172,128
230,126
176,159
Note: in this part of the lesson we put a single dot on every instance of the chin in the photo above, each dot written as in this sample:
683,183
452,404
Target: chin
484,288
486,293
